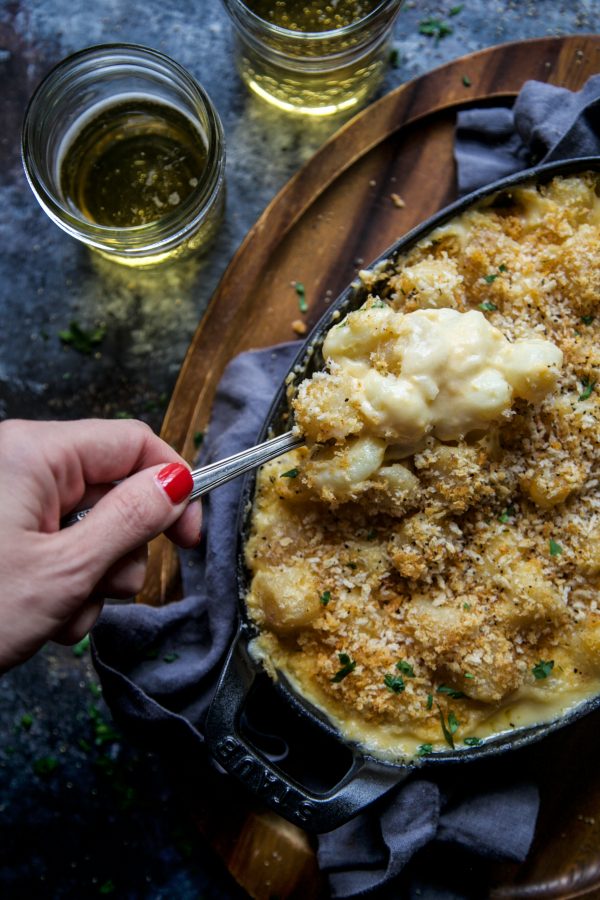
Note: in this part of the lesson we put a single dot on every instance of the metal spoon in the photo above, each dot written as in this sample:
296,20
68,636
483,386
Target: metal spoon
217,473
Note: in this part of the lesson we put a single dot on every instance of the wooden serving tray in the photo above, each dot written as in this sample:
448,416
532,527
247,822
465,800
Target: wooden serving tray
336,214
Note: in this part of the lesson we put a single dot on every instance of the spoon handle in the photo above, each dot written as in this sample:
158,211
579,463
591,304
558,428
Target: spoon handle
217,473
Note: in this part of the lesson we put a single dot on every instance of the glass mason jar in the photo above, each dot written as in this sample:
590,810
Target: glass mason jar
316,73
125,152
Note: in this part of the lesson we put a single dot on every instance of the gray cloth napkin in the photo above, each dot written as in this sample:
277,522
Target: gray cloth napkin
159,666
546,123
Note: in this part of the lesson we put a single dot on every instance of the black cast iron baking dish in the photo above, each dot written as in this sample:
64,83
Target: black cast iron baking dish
232,744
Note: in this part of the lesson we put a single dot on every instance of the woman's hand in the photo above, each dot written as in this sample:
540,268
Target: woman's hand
52,582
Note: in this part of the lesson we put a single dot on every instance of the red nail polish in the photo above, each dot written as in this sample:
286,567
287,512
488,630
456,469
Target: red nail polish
176,481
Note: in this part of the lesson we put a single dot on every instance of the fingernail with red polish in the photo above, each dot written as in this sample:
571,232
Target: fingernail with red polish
176,481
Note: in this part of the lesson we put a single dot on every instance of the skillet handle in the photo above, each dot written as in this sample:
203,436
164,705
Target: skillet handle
365,782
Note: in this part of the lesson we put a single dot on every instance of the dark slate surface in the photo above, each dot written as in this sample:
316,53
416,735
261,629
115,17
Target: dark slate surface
83,812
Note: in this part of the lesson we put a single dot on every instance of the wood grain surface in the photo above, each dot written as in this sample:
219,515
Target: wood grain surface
335,215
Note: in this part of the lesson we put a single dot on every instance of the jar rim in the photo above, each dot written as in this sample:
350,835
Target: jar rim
150,235
313,36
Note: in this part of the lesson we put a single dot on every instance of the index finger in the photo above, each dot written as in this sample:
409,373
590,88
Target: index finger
75,454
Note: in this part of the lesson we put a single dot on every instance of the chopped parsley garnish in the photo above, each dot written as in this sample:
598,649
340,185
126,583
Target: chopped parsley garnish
588,386
103,732
80,648
291,473
435,28
453,723
424,749
107,888
95,689
555,549
489,279
466,606
509,513
394,683
26,721
325,598
450,691
170,657
472,741
45,766
488,306
301,292
348,665
405,668
429,703
543,668
466,81
198,438
124,414
587,320
81,340
447,732
502,268
455,10
469,675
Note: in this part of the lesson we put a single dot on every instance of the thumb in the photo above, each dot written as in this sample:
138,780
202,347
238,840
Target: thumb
131,514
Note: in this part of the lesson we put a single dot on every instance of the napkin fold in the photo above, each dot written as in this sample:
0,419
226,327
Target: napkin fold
159,666
546,123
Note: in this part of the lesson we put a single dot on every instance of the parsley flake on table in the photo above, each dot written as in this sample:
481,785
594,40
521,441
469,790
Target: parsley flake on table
170,657
198,438
26,721
588,386
325,598
455,10
424,749
555,549
435,28
394,683
487,306
291,473
81,340
542,669
45,766
301,292
348,665
587,320
81,646
466,81
394,58
405,668
450,691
